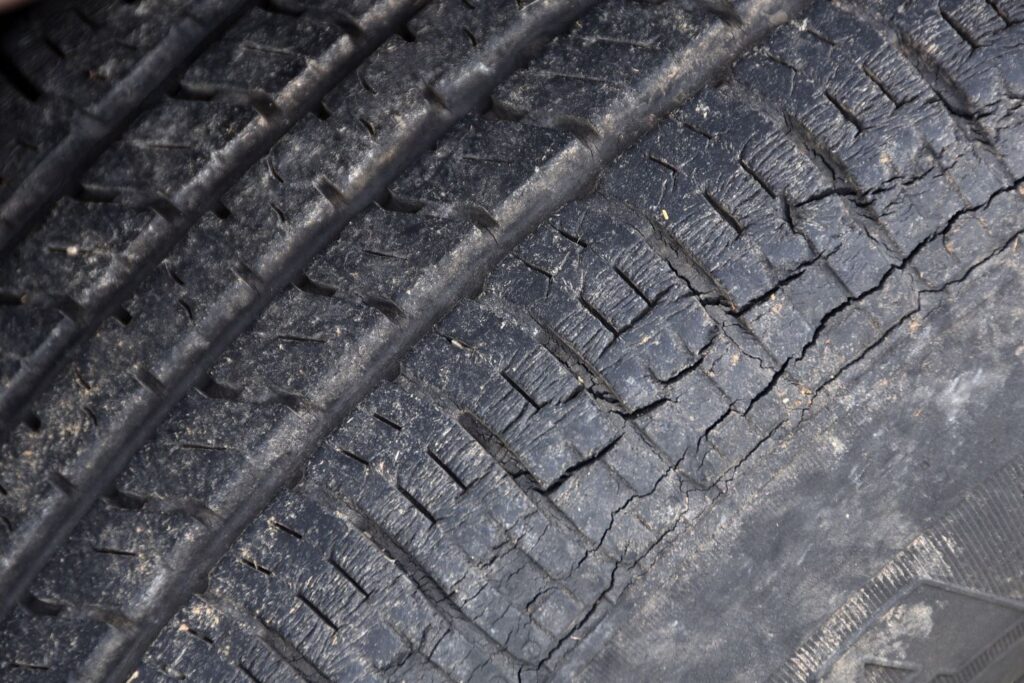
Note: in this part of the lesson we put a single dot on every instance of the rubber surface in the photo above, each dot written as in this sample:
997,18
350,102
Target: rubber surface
483,340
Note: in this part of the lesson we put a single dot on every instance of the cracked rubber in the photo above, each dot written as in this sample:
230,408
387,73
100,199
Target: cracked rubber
447,340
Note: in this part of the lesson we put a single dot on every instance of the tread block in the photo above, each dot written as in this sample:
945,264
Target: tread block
486,505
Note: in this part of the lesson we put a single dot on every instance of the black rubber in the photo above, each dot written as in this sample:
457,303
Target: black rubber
490,340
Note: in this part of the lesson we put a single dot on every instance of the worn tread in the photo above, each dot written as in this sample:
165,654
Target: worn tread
441,442
75,75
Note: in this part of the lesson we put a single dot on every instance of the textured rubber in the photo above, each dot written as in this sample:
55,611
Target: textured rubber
74,74
443,340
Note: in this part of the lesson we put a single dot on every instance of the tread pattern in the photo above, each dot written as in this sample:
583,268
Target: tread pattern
484,508
309,296
232,262
172,164
539,340
73,74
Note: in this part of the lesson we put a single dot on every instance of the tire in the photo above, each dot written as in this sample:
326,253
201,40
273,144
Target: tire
492,340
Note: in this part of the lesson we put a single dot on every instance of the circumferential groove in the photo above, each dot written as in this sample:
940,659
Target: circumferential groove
548,188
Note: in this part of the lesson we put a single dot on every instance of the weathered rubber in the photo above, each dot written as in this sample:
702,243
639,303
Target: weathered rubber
226,111
235,265
74,74
478,428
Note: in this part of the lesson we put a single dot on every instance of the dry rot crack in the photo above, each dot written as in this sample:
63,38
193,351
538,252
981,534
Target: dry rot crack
495,314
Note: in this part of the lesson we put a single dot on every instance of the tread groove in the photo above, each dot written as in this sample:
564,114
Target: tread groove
488,375
102,120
